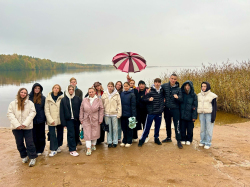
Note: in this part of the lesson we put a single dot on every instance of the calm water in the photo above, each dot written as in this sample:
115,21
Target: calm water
10,82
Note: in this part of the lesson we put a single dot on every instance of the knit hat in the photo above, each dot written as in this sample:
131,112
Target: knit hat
141,82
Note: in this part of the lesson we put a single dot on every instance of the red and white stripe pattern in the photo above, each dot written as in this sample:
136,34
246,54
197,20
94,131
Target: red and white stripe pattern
129,62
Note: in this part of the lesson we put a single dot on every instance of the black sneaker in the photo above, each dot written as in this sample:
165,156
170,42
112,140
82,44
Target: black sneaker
114,145
140,143
179,145
110,145
166,140
157,141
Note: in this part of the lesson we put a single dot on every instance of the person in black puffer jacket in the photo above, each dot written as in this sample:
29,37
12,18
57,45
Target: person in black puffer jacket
69,116
155,107
128,102
188,112
38,131
173,98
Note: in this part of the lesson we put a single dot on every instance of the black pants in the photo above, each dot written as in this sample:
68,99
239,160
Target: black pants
186,130
59,129
175,113
127,132
39,138
72,127
141,119
30,149
102,134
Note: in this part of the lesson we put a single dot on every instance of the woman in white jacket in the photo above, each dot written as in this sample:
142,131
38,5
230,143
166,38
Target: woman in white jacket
112,110
21,112
52,112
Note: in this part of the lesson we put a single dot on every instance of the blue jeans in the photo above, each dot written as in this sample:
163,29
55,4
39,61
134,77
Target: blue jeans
113,129
119,129
206,129
149,121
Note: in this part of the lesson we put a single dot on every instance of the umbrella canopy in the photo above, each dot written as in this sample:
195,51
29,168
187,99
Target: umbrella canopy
129,62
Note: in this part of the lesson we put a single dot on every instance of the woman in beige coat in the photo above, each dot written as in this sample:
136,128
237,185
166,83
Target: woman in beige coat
21,113
91,117
52,112
112,109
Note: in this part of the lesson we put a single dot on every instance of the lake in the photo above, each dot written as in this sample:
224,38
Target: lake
11,81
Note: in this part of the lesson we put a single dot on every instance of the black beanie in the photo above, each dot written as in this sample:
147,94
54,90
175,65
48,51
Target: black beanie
141,82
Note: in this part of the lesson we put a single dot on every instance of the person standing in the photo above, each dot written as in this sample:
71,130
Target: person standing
119,88
69,116
207,107
128,102
52,112
173,98
112,110
21,113
91,117
141,109
188,112
38,131
155,107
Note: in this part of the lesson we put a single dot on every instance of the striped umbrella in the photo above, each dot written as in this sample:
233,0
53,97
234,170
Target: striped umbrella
129,62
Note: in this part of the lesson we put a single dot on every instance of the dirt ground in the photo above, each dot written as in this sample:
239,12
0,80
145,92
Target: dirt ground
227,163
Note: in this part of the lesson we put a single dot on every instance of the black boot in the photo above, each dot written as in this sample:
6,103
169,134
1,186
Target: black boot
140,143
157,141
166,140
179,145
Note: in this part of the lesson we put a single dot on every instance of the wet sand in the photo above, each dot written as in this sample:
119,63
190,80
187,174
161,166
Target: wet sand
227,163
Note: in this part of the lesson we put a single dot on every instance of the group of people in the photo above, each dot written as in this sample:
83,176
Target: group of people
29,113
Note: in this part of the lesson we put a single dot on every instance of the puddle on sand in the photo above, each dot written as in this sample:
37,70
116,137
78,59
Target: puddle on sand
223,118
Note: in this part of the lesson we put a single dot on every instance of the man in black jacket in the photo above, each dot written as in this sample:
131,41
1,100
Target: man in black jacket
155,107
173,98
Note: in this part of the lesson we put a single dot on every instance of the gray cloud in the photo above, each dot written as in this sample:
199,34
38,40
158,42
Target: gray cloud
164,32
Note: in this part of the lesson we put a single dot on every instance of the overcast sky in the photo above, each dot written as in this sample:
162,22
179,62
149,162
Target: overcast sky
179,32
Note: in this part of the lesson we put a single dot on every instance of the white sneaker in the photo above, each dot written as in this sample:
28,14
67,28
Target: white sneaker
59,150
188,143
93,147
52,153
183,142
134,140
74,153
206,147
32,162
39,154
25,160
122,144
88,153
201,144
128,145
146,140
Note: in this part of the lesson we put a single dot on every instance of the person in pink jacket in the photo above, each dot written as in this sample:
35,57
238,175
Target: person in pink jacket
91,117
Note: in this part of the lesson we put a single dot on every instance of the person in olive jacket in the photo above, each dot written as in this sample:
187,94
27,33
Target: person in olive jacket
38,130
69,115
188,112
173,98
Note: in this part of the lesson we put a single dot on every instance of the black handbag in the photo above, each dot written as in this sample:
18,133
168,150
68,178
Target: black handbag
105,127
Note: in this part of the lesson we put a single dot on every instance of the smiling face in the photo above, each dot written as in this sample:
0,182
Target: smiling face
37,89
126,87
118,85
91,92
132,84
23,93
173,80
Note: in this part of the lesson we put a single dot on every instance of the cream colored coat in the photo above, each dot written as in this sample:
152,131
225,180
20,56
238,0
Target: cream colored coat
112,106
18,117
205,102
52,110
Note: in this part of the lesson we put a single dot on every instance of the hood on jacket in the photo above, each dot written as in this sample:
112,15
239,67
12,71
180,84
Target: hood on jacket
208,86
129,91
191,86
33,87
68,95
111,94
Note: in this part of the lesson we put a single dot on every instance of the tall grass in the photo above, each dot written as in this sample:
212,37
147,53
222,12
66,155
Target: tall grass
230,81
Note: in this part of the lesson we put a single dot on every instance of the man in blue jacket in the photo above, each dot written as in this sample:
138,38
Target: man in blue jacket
155,107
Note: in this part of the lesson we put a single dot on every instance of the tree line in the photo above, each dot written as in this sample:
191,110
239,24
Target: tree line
17,62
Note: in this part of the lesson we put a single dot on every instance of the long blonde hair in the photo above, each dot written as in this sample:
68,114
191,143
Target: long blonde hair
20,101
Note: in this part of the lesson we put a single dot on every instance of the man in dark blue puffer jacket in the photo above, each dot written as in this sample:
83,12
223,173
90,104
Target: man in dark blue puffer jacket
155,107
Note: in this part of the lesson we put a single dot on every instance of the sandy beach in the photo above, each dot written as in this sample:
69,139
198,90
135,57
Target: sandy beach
227,163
